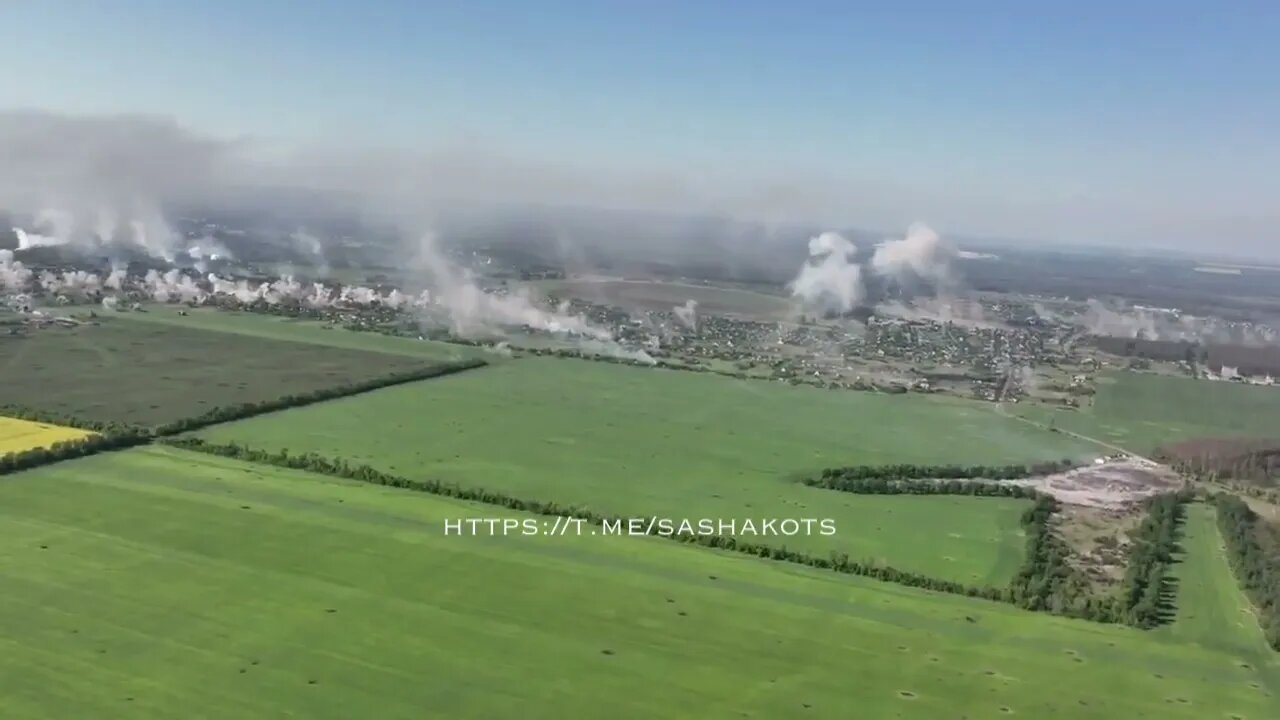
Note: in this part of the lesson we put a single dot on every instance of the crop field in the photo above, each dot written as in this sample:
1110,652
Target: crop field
177,581
307,331
21,435
1141,412
149,374
641,442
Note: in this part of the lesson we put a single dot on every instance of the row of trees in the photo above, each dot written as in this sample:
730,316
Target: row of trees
115,435
1047,581
1247,461
896,486
903,471
68,449
34,415
837,562
244,410
1254,550
1154,544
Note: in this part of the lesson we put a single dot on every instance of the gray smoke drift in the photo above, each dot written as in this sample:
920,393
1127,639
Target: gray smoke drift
310,246
100,182
473,313
1166,324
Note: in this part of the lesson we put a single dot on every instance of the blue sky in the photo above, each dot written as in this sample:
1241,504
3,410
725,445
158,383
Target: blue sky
1152,123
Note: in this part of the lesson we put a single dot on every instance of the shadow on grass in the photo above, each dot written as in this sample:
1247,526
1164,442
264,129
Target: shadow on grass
1167,599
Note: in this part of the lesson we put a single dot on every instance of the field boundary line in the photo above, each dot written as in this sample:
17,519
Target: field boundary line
247,410
115,436
837,562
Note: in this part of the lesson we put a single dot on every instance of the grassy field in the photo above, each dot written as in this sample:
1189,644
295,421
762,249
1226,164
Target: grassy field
308,331
20,435
155,584
641,442
1141,412
148,374
1212,610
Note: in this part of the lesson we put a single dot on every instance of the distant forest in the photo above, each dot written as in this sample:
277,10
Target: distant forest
1249,360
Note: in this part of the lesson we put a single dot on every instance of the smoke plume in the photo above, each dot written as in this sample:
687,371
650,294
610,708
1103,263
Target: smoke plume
687,314
14,276
920,256
310,246
472,312
830,281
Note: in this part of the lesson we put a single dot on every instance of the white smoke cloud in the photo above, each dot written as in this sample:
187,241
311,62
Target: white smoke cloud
14,276
957,311
172,286
472,312
28,240
1099,319
830,281
208,249
921,254
687,314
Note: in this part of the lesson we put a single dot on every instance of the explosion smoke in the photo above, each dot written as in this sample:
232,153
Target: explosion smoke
687,314
14,276
829,281
921,255
473,312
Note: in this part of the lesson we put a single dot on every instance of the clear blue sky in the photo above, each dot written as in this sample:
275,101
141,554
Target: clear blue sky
1150,122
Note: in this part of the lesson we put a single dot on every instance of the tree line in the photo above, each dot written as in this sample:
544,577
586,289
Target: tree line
117,435
1154,544
69,449
1047,581
900,486
1254,550
108,427
244,410
836,561
905,471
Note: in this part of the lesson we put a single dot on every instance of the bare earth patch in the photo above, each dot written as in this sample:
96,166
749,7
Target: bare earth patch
1099,540
1112,484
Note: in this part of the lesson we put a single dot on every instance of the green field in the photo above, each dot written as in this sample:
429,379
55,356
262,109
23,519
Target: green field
1141,412
1212,610
157,584
150,374
641,442
308,331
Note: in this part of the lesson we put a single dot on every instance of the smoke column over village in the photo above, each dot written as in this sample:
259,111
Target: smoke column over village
830,280
922,255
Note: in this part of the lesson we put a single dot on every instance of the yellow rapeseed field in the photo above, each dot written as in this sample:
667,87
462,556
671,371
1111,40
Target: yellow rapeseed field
18,435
